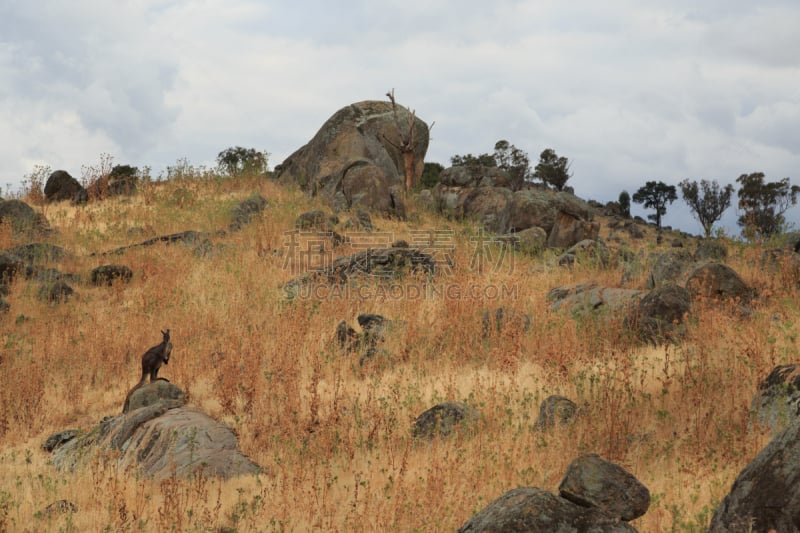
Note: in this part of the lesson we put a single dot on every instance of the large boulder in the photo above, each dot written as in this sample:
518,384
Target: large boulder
61,186
569,230
355,158
595,496
671,266
766,495
777,402
374,265
532,510
585,299
161,436
659,315
591,481
24,219
315,220
490,206
533,207
531,241
160,391
716,281
564,217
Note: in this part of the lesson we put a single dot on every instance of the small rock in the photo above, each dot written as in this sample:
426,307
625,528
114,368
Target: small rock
442,419
59,507
108,274
556,411
347,337
56,292
593,482
57,439
312,220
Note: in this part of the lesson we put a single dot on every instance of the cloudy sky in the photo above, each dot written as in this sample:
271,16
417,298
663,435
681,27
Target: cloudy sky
628,90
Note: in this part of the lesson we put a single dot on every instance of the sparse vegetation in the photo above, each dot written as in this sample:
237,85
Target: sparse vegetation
430,175
552,169
625,204
707,200
237,160
763,204
656,195
506,156
334,437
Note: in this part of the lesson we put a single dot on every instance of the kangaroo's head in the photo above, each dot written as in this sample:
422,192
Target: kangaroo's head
167,347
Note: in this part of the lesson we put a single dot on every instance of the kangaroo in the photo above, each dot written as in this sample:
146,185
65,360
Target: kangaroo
155,357
152,360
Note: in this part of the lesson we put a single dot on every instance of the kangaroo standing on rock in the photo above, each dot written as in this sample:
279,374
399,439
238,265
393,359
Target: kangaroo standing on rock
155,357
151,361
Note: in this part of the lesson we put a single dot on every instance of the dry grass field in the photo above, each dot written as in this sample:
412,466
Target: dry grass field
333,437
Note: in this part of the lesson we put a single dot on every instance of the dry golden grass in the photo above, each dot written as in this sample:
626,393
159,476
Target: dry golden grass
334,437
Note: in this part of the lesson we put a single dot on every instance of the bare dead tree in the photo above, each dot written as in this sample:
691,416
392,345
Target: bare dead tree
407,142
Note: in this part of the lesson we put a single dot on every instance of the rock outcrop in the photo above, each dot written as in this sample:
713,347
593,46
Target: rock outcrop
594,496
766,495
564,218
718,282
354,159
671,266
160,435
659,315
380,264
583,299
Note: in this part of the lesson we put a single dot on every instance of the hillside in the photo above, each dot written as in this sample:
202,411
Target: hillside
330,427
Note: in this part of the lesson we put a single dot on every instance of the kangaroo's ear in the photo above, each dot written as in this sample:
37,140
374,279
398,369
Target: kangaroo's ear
162,332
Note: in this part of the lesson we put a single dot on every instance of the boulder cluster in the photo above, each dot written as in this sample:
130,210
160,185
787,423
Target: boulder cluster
595,495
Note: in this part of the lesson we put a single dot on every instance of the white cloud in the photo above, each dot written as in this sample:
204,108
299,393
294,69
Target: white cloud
629,91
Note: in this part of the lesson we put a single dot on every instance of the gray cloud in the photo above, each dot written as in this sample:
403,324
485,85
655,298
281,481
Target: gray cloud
629,91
